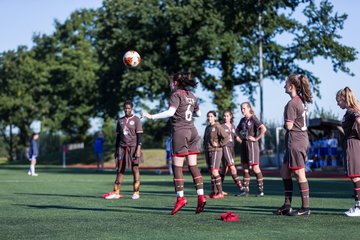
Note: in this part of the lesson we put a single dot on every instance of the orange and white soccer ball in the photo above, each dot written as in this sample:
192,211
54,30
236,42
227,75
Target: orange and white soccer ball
131,58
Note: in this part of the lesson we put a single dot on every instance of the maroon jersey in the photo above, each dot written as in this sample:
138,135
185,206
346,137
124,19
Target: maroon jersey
295,111
351,144
248,127
185,104
296,140
250,151
217,134
127,128
347,124
232,134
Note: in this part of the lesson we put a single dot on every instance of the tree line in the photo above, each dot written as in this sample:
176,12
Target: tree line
76,73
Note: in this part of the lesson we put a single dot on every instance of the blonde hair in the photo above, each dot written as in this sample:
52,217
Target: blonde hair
348,96
249,105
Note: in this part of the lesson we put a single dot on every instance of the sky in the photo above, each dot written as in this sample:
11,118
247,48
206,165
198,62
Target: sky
20,19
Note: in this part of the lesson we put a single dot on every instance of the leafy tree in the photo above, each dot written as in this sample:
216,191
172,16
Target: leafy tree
222,35
55,81
196,35
77,72
125,25
72,68
317,36
22,79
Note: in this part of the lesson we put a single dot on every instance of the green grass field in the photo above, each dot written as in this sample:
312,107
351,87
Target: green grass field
67,204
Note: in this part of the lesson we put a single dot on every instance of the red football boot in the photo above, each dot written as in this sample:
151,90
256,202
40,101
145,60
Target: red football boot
180,202
211,195
218,196
107,194
201,204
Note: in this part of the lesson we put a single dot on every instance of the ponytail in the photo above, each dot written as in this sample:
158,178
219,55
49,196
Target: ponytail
302,86
184,79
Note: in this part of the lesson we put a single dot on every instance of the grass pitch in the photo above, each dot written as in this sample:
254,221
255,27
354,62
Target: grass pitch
67,204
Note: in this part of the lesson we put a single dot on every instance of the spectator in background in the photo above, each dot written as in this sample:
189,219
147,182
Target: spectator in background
99,150
323,151
168,154
310,162
333,149
33,153
316,152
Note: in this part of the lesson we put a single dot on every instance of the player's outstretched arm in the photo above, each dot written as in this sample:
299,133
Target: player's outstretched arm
166,114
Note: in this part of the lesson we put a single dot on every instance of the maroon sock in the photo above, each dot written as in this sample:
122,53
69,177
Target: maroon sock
237,180
197,178
304,190
178,179
213,185
288,191
260,181
218,183
247,181
357,190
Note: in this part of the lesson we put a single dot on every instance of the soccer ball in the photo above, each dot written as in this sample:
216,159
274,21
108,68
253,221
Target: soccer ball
131,58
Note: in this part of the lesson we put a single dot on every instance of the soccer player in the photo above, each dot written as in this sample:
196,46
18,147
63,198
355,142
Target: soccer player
183,106
351,124
215,138
127,151
250,129
32,154
296,144
229,151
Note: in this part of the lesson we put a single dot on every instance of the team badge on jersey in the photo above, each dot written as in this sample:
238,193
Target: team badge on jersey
131,122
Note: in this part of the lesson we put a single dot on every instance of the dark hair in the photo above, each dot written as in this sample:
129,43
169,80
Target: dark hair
128,102
34,134
212,112
184,79
302,86
232,116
